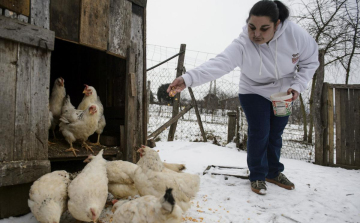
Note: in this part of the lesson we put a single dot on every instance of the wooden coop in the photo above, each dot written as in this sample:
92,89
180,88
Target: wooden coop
98,43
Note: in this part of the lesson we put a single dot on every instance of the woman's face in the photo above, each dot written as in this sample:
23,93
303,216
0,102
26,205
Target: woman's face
261,29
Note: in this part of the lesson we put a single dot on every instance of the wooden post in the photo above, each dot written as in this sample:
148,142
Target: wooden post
331,124
130,105
176,100
197,114
319,128
231,126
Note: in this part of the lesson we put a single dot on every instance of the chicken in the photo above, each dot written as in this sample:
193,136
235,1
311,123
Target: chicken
48,196
89,190
149,181
91,97
77,124
148,209
120,175
154,162
56,100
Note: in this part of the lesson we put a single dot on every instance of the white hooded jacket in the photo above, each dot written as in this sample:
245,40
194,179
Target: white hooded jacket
266,68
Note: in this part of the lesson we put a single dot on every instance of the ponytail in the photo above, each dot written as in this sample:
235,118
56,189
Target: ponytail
273,9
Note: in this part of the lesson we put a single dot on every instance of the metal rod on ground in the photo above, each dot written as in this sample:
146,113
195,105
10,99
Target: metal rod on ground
165,61
176,99
197,114
168,123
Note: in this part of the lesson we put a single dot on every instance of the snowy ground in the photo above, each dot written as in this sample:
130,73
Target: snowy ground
322,194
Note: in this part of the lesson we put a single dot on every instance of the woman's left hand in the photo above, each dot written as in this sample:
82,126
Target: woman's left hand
294,93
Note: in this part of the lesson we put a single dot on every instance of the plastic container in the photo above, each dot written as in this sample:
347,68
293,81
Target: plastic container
282,104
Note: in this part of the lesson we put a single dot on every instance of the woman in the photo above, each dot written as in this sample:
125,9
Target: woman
274,55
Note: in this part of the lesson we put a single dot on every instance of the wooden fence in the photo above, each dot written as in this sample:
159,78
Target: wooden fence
340,116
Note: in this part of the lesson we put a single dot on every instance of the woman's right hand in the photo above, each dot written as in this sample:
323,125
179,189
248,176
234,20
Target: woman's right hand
176,86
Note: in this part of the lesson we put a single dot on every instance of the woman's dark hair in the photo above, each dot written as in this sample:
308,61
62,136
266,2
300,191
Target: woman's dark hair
273,9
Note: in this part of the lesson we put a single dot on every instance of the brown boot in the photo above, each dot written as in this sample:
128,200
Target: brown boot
282,181
259,187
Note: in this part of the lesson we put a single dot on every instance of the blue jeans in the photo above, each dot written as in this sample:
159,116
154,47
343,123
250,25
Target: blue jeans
264,137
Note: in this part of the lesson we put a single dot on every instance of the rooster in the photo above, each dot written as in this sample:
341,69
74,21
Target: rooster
149,180
89,190
148,209
91,97
56,100
48,196
77,124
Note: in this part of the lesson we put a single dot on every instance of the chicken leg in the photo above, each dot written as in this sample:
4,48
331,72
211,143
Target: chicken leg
72,149
97,143
86,146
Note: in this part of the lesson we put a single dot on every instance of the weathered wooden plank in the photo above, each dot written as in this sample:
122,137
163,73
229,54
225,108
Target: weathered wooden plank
94,23
39,92
26,33
344,101
176,100
345,86
138,38
23,139
145,101
8,64
331,125
130,108
231,126
338,126
65,19
350,127
20,172
40,13
357,126
198,117
18,6
120,26
139,2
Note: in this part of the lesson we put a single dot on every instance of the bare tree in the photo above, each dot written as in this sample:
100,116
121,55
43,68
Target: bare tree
334,24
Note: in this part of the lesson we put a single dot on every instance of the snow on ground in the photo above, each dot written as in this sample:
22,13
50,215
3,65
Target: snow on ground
322,194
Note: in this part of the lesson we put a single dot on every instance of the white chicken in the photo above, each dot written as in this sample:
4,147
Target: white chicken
48,196
148,209
78,125
89,190
91,97
153,161
149,181
56,101
120,175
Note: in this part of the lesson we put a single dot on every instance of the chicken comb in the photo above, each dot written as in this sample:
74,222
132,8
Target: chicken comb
86,86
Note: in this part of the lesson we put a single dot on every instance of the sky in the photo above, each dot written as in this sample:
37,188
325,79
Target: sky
203,25
322,194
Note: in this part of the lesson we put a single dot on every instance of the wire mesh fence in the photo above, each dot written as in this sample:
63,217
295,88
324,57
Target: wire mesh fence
215,100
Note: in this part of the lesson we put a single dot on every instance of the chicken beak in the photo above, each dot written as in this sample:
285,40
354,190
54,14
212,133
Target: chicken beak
84,92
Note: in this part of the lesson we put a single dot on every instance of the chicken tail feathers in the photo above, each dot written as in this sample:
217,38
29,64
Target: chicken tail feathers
168,200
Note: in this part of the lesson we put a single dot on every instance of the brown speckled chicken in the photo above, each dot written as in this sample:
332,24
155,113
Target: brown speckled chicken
89,98
148,209
89,190
149,180
78,125
48,196
56,101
